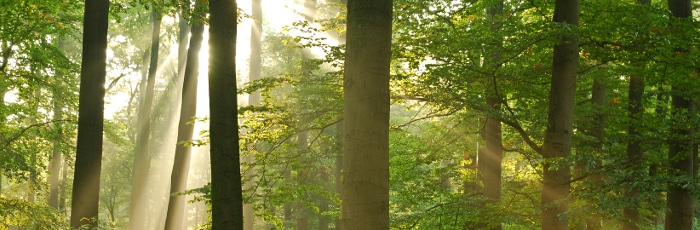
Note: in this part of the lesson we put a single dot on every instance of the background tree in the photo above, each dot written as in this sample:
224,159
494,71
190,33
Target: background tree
178,180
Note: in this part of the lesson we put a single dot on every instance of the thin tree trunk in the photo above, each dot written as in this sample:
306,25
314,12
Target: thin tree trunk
86,179
253,99
142,160
62,186
181,166
557,140
226,195
366,114
302,212
596,131
630,213
56,156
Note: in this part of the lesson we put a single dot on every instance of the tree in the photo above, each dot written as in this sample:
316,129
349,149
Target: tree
142,160
253,99
491,155
57,155
178,179
226,195
365,192
682,152
559,131
86,179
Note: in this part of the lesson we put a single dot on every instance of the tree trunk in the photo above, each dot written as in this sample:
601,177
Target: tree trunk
635,108
56,156
680,208
366,114
634,150
491,155
181,165
226,195
302,212
253,99
88,158
142,159
557,139
596,131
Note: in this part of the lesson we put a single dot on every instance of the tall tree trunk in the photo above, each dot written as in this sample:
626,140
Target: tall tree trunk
557,139
491,155
226,195
88,158
253,99
366,114
181,165
680,208
302,212
56,156
596,130
142,159
635,108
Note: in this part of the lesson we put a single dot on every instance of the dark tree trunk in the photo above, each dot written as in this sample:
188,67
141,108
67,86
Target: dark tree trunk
557,140
634,150
88,158
680,208
226,195
635,108
142,160
366,114
181,165
595,130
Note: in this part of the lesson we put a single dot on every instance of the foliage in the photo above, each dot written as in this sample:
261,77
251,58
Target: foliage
17,212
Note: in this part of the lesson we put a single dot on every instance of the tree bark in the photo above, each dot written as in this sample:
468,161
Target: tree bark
181,165
142,159
226,195
366,115
86,180
557,140
680,208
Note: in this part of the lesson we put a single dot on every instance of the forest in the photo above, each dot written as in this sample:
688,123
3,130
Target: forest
349,114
